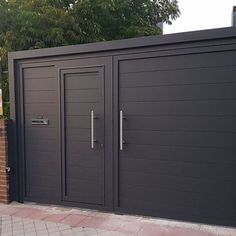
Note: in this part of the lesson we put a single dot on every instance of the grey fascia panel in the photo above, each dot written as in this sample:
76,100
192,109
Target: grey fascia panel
194,36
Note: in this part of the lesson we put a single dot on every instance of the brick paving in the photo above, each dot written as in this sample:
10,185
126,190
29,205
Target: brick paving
11,225
35,220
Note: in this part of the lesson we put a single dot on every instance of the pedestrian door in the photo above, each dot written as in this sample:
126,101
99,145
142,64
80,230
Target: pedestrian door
82,122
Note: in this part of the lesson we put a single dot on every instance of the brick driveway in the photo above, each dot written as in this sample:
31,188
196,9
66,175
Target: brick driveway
31,220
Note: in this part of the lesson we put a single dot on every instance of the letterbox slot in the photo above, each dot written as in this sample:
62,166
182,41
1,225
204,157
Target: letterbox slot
39,121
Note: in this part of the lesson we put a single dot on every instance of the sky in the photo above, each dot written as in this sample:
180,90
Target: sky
202,14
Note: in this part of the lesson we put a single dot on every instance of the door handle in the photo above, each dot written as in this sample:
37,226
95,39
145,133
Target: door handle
121,130
93,140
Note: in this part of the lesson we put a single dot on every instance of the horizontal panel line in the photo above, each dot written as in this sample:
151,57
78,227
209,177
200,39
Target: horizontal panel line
183,131
91,153
30,150
175,85
79,89
41,126
77,115
178,69
82,165
204,116
43,103
171,190
35,142
93,179
229,180
39,90
69,127
29,103
40,175
42,152
178,161
81,102
29,114
80,156
82,74
76,141
179,100
200,147
37,78
123,156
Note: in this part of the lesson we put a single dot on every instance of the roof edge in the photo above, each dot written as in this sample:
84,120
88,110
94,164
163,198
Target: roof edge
148,41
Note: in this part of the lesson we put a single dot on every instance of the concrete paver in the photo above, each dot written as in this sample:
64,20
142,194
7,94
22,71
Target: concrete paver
37,220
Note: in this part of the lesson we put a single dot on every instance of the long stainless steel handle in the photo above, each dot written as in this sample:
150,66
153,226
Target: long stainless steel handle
92,129
121,130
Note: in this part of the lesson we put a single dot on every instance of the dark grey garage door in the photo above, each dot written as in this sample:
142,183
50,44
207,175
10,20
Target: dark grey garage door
179,133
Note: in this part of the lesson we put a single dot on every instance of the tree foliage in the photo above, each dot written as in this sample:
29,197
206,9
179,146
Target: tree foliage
32,24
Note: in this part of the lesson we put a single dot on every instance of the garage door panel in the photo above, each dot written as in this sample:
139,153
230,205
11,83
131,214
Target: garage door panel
39,72
198,201
81,109
40,109
39,192
180,108
78,122
179,93
84,185
35,171
49,145
45,142
43,84
37,187
177,62
82,135
191,123
40,97
85,173
175,153
37,133
91,197
170,210
196,76
82,147
85,161
89,96
74,185
188,169
191,138
182,183
40,184
78,135
83,81
74,147
46,158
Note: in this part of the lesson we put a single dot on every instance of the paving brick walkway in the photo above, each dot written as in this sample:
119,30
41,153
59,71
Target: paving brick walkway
36,220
